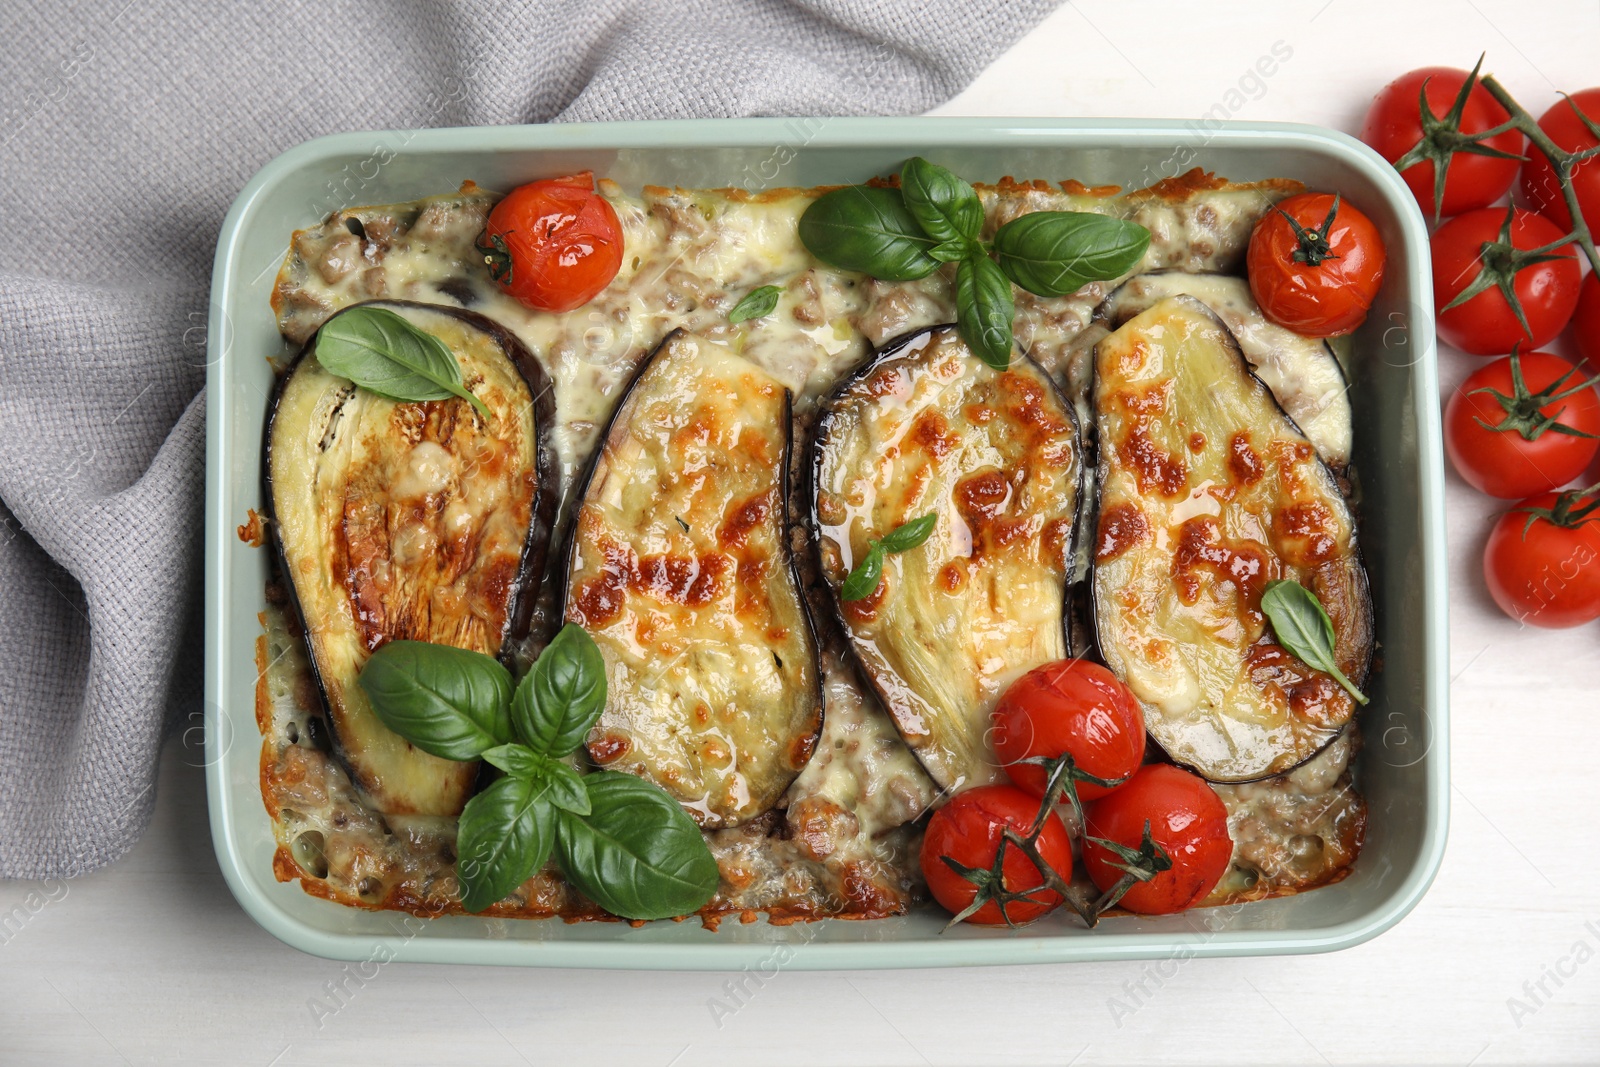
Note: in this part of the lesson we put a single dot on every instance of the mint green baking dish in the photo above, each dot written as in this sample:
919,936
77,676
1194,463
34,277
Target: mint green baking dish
1404,769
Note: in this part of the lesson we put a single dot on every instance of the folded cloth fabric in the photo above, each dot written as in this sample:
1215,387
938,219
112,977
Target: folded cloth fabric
127,130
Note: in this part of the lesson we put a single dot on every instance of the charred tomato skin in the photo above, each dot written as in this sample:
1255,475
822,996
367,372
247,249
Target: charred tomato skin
1323,299
553,244
1539,182
1072,706
1393,127
1486,325
969,829
1186,818
1541,573
1503,463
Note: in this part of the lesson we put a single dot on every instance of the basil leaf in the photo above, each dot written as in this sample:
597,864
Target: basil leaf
756,304
947,208
863,581
506,834
637,854
563,695
1302,626
864,228
951,251
447,701
384,353
909,535
984,309
565,785
1053,253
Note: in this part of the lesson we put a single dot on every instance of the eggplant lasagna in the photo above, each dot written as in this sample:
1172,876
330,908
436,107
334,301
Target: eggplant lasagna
692,492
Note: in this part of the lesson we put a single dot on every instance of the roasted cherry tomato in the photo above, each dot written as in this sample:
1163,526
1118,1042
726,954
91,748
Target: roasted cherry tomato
969,829
1522,425
1586,320
1567,130
1395,127
1070,706
1315,265
553,244
1186,818
1488,252
1541,560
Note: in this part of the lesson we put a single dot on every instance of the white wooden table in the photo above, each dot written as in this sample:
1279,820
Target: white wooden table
152,955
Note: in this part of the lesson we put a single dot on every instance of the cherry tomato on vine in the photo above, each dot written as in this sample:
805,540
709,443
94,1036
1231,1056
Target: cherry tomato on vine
553,244
1480,259
1315,264
1396,128
1568,131
1185,816
1541,560
1586,320
1522,425
1070,706
969,830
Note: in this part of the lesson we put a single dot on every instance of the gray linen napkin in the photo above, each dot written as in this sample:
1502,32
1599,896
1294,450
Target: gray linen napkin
126,129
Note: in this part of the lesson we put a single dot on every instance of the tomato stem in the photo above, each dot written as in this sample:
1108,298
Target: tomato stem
1524,409
1565,512
1312,245
1500,263
1563,162
1442,138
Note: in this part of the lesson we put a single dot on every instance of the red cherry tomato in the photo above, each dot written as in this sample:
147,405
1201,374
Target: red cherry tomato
1315,283
1486,325
553,244
1545,572
1586,321
1186,818
1394,127
1567,130
1485,438
968,829
1070,706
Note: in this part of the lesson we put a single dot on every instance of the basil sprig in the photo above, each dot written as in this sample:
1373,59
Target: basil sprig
1302,626
757,303
934,217
382,352
863,581
620,840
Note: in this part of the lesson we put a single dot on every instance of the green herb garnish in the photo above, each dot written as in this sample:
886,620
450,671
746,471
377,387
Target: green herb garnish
384,353
622,841
863,581
934,217
1302,626
756,304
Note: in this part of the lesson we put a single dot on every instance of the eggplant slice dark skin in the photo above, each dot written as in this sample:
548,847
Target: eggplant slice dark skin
410,521
925,426
1207,491
680,567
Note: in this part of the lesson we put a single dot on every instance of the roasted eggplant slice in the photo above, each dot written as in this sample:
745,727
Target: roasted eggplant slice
410,521
925,426
1207,491
680,567
1302,372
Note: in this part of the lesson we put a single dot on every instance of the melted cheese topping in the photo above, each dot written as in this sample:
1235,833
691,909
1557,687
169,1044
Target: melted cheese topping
402,521
929,428
1207,493
680,573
